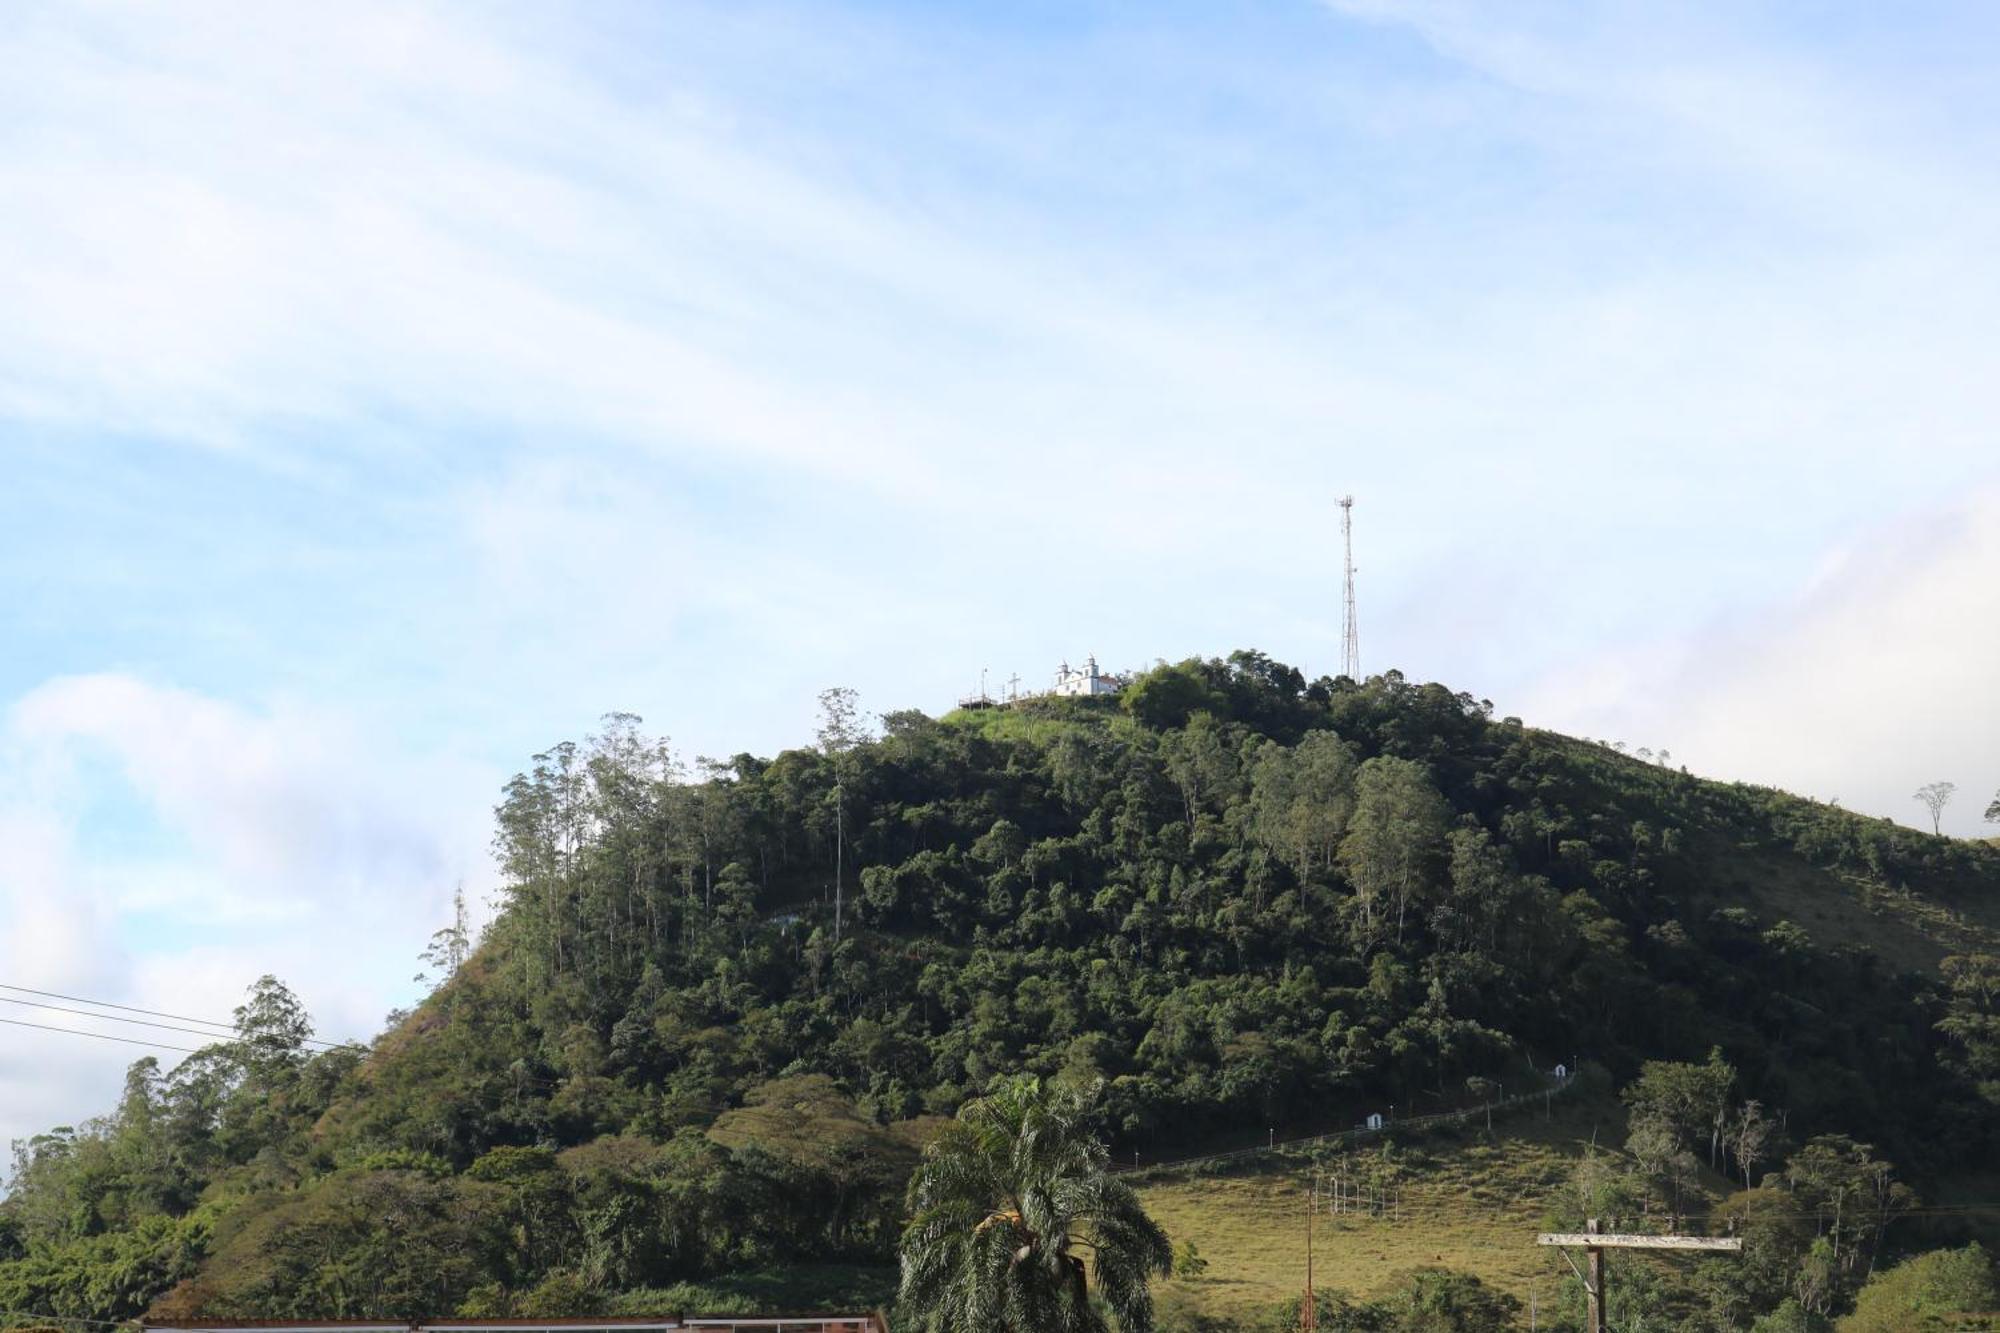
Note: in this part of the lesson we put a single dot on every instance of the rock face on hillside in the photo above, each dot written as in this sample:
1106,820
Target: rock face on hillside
717,1015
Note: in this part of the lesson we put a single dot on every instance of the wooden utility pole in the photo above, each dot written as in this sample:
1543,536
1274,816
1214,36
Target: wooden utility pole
1593,1284
1309,1312
1594,1242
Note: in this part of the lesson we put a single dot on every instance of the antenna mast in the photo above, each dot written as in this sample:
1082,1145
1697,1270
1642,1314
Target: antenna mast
1350,644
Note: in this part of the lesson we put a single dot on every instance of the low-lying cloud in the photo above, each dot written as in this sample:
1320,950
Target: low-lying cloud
1881,675
166,848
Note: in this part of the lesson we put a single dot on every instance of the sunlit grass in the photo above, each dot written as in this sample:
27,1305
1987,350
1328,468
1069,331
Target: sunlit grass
1470,1202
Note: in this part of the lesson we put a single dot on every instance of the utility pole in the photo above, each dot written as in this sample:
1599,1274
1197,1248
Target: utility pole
1594,1242
1350,638
1309,1312
1593,1286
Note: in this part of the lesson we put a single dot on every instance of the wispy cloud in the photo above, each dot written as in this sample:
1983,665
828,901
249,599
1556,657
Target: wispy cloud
385,393
1874,678
165,848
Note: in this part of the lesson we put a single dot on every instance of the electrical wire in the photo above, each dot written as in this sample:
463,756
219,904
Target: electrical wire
106,1004
192,1050
230,1028
101,1036
113,1018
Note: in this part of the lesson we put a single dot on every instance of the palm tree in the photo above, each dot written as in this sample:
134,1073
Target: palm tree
1003,1204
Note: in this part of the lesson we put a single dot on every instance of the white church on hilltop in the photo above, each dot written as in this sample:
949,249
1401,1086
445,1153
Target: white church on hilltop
1085,679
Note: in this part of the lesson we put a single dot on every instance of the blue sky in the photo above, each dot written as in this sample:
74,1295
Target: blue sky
386,393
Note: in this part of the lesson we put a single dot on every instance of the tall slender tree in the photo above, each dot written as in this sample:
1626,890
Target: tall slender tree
449,946
1005,1206
1935,797
840,731
1395,841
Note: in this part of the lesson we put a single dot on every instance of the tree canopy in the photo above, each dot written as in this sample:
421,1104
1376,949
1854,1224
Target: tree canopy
725,1003
1017,1224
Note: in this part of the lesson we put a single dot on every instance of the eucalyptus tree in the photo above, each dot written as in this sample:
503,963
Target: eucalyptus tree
1748,1137
1395,841
1935,796
449,945
1007,1203
1972,1018
840,730
1301,797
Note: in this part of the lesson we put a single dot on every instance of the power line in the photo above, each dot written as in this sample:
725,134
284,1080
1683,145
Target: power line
106,1004
101,1036
185,1050
190,1050
155,1013
111,1018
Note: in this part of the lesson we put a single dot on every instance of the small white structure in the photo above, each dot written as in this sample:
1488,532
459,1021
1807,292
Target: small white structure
1562,1071
1374,1120
1085,679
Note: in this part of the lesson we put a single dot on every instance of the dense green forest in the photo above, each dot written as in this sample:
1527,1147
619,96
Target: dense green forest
722,1009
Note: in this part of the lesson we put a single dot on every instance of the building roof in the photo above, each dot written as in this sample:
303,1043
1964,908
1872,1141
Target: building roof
825,1322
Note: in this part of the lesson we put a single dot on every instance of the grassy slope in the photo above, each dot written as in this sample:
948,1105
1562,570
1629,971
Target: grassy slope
1475,1202
1909,933
1910,930
1469,1201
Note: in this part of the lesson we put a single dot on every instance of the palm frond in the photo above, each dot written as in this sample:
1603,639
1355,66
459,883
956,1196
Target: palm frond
1006,1204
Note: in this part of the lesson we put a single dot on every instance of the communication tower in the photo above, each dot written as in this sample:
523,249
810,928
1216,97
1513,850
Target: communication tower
1350,638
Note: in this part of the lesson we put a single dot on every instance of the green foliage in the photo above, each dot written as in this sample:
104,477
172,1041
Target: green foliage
1776,1235
113,1275
1852,1196
1972,1019
1925,1291
358,1244
1009,1200
1431,1299
1333,1311
1690,1100
1168,696
1676,1107
1301,798
1395,850
1188,1262
1437,1300
1789,1317
832,1162
1236,899
761,1290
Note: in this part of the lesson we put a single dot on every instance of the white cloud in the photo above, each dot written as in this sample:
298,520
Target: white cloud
444,219
243,222
1880,675
166,849
629,383
281,800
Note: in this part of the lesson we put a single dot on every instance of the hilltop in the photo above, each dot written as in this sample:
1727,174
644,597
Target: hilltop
722,1011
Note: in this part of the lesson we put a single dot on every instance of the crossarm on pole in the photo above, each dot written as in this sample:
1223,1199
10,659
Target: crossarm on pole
1612,1240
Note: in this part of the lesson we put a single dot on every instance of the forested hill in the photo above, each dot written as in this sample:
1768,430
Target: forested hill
709,1029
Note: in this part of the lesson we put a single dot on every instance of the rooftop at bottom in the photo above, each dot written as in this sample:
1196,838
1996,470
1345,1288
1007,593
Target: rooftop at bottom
734,1323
